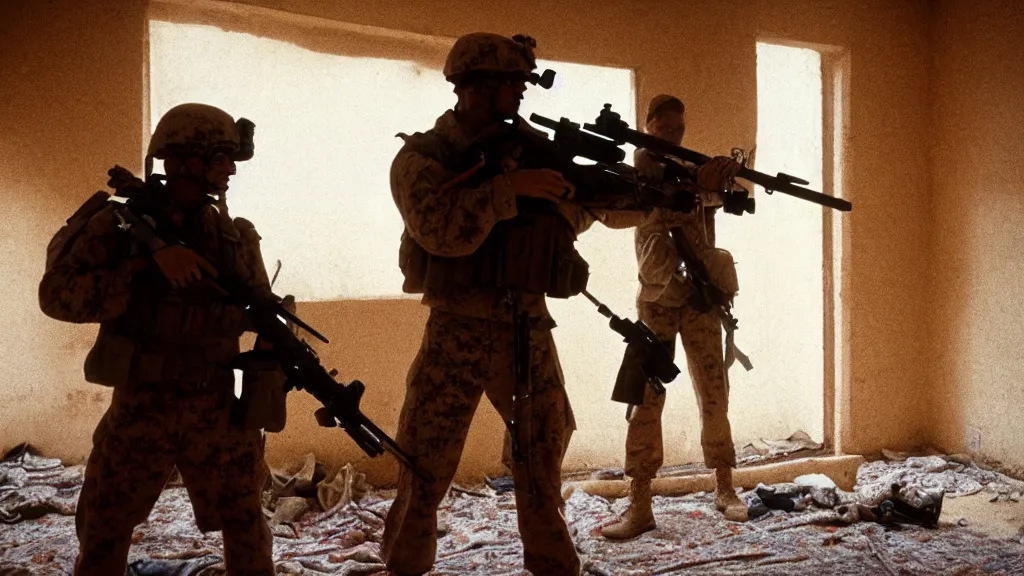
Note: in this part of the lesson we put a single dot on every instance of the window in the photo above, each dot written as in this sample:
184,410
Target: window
318,187
778,253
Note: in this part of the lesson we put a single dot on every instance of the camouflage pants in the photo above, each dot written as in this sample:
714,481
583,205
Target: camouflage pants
508,458
141,438
460,360
702,340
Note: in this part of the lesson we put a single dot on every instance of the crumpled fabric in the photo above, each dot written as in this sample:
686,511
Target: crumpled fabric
32,486
346,485
202,566
797,441
292,493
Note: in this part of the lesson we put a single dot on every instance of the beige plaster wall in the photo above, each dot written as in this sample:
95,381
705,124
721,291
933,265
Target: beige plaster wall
70,108
73,96
978,204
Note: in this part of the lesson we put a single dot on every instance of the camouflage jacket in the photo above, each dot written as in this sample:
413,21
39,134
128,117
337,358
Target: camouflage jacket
453,221
657,259
150,331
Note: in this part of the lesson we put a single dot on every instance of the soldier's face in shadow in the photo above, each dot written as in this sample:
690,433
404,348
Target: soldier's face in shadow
219,171
508,96
669,126
497,97
191,179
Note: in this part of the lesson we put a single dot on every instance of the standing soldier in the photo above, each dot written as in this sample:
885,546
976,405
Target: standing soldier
662,305
165,343
462,235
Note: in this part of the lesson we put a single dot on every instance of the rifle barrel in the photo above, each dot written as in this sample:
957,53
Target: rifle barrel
610,125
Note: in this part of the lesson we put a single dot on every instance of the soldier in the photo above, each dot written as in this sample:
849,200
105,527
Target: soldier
164,345
662,305
458,225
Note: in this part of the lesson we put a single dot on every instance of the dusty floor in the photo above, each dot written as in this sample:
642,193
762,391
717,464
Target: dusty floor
976,536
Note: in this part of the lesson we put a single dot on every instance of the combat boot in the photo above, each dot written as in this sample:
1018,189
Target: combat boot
726,500
639,517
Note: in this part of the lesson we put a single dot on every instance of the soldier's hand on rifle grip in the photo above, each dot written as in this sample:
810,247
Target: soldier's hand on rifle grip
718,174
181,266
544,184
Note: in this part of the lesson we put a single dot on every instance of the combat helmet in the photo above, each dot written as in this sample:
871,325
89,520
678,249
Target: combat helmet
201,130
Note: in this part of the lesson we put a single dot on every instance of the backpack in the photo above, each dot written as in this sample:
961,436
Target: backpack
62,240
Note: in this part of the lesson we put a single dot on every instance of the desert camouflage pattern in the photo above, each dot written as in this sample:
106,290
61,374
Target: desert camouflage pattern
92,282
482,51
193,129
460,360
702,341
661,304
467,352
164,351
143,436
657,259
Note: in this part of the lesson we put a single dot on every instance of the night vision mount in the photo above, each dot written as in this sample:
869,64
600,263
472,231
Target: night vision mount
545,79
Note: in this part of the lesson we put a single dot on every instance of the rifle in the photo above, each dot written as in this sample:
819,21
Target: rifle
734,201
297,359
610,125
706,293
655,358
521,427
571,141
609,184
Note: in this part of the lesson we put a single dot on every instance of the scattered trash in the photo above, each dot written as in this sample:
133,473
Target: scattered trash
479,533
797,441
501,485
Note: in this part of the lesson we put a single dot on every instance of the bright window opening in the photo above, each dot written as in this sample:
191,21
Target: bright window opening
778,254
317,188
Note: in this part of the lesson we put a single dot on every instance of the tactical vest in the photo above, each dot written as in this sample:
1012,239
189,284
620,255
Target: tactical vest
166,335
532,252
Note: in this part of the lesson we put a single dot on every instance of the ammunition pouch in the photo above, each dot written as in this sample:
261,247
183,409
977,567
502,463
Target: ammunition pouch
263,403
722,272
413,260
109,362
532,252
167,339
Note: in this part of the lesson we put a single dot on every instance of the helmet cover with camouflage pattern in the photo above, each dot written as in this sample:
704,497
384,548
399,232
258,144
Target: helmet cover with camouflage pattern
197,129
486,52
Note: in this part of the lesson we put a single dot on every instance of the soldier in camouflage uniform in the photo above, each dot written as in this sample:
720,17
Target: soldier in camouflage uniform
467,350
164,344
662,305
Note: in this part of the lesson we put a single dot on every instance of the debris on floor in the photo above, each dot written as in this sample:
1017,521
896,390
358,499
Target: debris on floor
330,522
